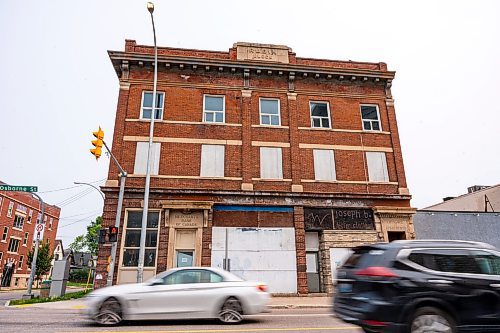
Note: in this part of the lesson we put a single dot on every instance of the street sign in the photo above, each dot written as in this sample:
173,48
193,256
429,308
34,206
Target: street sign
19,188
39,230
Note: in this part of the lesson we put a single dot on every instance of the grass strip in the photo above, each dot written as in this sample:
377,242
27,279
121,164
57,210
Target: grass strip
75,295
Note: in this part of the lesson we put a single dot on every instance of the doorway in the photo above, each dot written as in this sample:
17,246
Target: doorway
396,235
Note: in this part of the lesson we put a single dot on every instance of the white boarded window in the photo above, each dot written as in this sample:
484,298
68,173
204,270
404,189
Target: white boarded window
141,158
377,167
212,161
271,163
324,164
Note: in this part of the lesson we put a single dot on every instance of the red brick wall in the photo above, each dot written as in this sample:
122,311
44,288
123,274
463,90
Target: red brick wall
33,204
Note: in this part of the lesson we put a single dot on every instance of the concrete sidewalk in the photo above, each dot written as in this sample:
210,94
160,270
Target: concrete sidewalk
281,302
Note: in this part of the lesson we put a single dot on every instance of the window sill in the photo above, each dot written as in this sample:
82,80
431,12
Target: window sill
3,241
341,130
9,252
272,179
16,228
359,182
183,122
271,126
185,177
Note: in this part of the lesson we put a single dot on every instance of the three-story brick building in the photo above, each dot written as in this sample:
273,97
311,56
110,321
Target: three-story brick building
283,163
18,215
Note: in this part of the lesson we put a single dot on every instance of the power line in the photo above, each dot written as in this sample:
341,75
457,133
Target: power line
68,217
68,188
67,225
73,198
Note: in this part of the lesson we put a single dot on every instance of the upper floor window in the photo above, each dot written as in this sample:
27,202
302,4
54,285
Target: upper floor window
212,161
141,157
377,166
25,240
30,216
13,245
320,114
370,117
21,208
213,109
147,105
9,210
20,263
324,164
5,232
269,111
1,205
51,221
271,163
18,221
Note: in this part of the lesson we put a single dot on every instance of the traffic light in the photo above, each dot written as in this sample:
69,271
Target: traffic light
109,264
113,234
97,143
102,236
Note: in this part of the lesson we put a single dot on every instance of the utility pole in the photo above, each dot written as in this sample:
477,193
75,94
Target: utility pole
29,294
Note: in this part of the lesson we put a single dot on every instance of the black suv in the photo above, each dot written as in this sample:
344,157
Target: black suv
421,286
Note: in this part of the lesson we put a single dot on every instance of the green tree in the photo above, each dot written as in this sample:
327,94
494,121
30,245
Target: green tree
89,240
43,260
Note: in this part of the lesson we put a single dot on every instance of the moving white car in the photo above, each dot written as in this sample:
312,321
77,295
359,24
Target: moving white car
180,293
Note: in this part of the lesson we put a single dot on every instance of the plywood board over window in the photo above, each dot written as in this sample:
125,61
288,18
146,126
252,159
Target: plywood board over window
141,157
377,166
324,164
271,163
212,161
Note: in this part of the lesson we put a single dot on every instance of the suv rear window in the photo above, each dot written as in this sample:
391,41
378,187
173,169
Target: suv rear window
456,261
363,256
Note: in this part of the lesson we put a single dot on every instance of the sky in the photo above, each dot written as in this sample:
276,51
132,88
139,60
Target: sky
57,84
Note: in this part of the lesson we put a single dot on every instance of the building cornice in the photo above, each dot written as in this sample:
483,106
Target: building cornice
123,60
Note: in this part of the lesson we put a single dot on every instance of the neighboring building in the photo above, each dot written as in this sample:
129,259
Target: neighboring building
474,216
58,253
19,212
81,260
296,159
477,199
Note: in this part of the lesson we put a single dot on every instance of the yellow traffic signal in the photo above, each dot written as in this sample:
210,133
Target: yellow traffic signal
97,143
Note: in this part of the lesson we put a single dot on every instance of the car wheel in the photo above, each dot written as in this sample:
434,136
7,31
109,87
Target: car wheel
432,320
231,311
110,313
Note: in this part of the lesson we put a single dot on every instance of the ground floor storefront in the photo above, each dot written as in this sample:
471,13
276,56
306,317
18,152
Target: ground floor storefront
292,244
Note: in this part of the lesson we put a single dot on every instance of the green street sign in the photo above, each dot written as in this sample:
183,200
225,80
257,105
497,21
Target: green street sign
19,188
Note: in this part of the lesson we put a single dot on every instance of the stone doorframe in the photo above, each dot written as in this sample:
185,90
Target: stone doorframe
394,219
186,207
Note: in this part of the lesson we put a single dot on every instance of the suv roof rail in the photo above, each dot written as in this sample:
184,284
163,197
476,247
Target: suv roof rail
444,241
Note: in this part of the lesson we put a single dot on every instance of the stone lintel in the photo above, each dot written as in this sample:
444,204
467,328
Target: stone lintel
292,97
246,93
247,186
297,188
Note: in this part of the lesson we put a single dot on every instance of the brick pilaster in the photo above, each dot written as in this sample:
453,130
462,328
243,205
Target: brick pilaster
300,248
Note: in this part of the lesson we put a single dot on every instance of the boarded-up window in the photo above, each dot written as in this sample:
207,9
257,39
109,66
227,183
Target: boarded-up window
377,167
271,163
141,157
324,164
212,161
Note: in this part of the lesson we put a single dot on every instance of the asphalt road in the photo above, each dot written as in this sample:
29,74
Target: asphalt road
31,319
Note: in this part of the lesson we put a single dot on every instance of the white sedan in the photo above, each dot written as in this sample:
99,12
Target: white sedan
180,293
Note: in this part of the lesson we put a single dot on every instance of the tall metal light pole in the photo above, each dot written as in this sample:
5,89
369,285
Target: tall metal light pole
29,294
142,250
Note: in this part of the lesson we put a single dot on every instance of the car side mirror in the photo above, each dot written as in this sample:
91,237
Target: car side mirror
156,282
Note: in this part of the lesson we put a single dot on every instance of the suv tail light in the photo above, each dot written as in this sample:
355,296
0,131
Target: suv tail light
377,272
262,287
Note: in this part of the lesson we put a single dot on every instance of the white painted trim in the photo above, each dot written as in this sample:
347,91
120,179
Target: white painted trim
330,120
223,109
153,107
184,140
279,110
181,122
338,147
378,116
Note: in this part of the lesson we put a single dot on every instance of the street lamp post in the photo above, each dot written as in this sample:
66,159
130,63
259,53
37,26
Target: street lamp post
140,263
98,190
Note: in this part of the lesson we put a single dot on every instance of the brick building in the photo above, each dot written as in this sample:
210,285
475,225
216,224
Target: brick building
18,215
294,159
